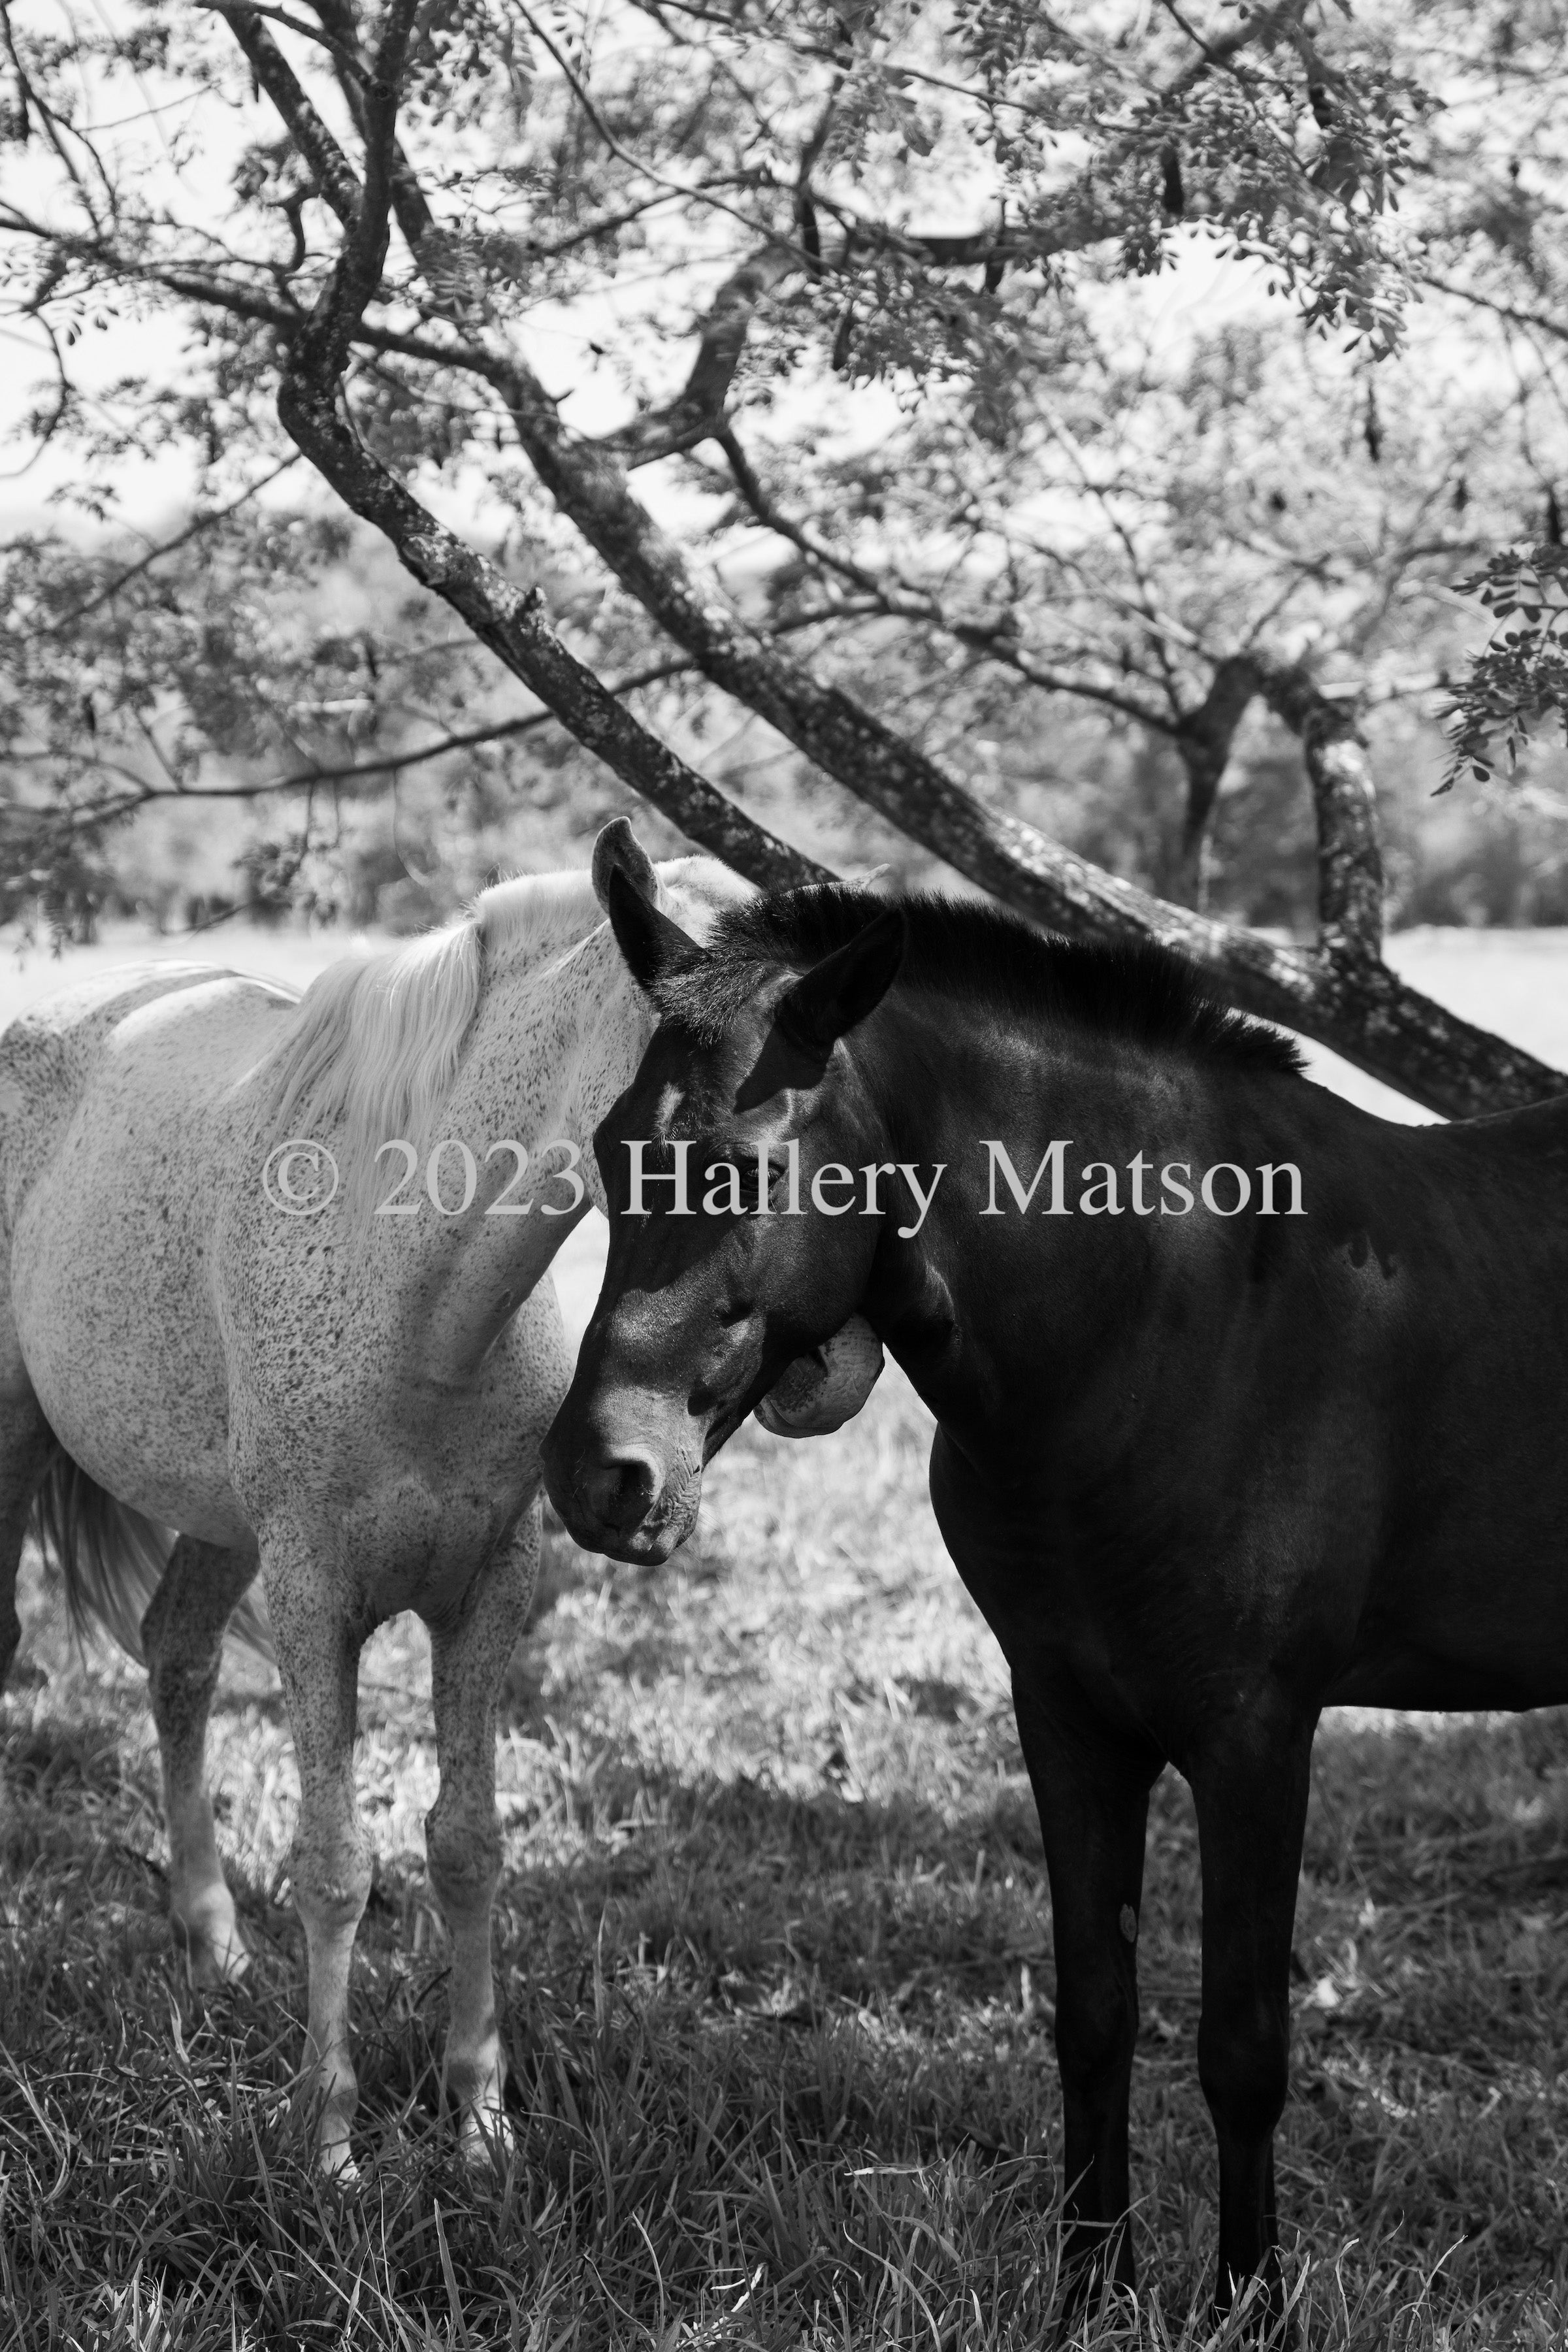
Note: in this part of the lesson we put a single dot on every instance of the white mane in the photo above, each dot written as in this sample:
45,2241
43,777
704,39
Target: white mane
377,1039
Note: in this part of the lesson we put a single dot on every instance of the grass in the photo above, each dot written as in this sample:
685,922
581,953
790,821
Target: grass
774,1943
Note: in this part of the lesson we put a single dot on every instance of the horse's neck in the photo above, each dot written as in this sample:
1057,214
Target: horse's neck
554,1041
946,1302
557,1034
561,1025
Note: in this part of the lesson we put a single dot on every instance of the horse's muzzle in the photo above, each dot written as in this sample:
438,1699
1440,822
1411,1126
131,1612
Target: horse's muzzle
620,1500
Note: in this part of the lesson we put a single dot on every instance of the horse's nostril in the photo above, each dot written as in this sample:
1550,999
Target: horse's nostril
620,1492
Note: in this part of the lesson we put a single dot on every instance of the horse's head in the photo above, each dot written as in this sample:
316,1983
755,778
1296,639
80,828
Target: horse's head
731,1256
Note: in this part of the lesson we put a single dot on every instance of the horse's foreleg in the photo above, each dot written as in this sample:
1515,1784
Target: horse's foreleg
182,1633
1249,1780
318,1647
1091,1788
462,1835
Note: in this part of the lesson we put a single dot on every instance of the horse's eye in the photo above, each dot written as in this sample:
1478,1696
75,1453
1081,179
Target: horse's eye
778,1169
734,1310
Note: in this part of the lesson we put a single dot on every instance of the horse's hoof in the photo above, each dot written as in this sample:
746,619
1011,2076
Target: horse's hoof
1259,2317
217,1953
485,2138
335,2164
215,1967
1084,2296
1256,2331
323,2116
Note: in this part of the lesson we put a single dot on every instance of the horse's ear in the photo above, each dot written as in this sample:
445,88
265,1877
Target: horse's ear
617,850
654,948
843,987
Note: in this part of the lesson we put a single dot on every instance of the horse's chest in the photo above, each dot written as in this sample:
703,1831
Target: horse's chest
1053,1602
996,1549
406,1485
401,1545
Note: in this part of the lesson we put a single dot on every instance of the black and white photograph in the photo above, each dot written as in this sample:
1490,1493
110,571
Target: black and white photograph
783,1176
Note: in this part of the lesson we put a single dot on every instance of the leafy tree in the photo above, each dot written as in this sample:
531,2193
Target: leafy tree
947,432
1522,675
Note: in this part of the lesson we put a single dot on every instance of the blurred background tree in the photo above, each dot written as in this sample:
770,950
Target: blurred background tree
971,435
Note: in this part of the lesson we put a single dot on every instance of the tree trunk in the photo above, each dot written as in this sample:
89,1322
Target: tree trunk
1204,740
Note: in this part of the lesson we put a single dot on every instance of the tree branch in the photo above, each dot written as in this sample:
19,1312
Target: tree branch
328,166
323,347
997,640
1350,862
297,25
54,125
122,580
1544,320
511,624
698,410
696,413
469,738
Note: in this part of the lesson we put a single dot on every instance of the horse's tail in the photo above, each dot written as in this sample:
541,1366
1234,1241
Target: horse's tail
111,1560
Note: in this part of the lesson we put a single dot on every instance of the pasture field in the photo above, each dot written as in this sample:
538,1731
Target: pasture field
775,1946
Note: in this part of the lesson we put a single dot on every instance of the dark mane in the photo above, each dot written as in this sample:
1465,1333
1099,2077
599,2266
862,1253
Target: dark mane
977,955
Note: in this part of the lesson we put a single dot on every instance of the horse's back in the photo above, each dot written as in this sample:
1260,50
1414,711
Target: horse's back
1538,1132
87,1033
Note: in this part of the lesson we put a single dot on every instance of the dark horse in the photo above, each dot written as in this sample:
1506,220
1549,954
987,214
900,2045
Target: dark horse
1206,1469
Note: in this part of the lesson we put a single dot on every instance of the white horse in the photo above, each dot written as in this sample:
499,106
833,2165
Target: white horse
194,1336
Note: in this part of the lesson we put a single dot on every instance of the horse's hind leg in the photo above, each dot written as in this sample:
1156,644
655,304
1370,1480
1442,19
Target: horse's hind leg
26,1444
462,1835
182,1634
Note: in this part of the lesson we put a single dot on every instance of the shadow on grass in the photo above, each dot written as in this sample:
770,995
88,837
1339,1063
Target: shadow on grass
781,2069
